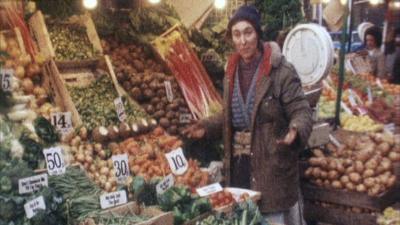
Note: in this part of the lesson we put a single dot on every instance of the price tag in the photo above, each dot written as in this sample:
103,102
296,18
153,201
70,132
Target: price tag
6,79
369,92
33,207
185,118
390,127
168,89
352,99
31,184
54,160
120,109
121,167
113,199
379,83
165,184
62,121
209,190
177,161
362,111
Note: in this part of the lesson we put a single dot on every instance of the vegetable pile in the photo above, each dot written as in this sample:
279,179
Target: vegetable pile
145,82
184,205
95,104
389,217
71,42
364,163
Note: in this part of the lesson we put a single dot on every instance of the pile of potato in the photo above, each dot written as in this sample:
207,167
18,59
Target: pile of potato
364,163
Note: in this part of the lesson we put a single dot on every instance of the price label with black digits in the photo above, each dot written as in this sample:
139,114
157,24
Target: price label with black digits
120,109
209,190
6,79
165,184
185,118
62,121
121,167
31,184
32,207
177,161
168,90
113,199
54,160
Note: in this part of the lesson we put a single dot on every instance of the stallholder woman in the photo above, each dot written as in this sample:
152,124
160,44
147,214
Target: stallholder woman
265,122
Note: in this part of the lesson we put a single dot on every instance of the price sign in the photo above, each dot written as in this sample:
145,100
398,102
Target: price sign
390,127
54,160
209,190
168,90
120,109
33,207
121,167
352,99
369,92
177,161
113,199
6,79
62,121
185,118
31,184
165,184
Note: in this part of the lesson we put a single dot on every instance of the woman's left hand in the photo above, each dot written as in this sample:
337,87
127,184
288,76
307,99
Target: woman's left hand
289,138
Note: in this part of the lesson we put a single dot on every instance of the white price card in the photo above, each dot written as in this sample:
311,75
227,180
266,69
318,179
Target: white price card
177,161
62,121
209,190
168,90
6,79
113,199
369,93
54,160
31,184
165,184
352,99
120,109
121,167
185,118
32,207
390,127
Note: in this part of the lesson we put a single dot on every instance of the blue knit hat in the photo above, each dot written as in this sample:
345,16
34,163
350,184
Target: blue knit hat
247,13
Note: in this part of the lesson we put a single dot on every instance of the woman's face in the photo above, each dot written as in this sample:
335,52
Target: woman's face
245,39
370,42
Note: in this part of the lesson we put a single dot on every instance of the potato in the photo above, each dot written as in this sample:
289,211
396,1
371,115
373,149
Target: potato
369,182
336,184
350,169
344,179
308,172
368,173
371,164
327,183
374,191
318,153
316,172
384,148
394,156
355,177
359,167
333,174
391,181
323,174
350,186
361,188
332,164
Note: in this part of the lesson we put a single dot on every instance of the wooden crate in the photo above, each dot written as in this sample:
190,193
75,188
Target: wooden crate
15,33
81,75
352,198
316,213
158,217
40,33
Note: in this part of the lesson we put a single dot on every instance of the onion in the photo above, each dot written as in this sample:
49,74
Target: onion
355,177
394,156
361,188
27,85
104,171
80,157
24,60
20,72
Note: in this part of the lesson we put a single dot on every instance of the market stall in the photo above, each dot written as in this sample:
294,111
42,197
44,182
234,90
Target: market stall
94,102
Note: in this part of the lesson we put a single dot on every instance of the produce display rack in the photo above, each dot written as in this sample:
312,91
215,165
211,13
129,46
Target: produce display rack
78,76
17,34
354,199
158,217
40,33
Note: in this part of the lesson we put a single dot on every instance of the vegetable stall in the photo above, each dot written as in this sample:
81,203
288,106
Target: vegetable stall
93,104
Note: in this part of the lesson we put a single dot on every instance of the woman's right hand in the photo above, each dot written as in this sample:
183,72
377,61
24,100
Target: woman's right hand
195,131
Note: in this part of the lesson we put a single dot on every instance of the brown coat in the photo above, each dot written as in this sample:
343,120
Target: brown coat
279,104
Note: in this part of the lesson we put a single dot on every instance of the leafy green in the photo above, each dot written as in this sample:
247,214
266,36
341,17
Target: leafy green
46,131
33,150
144,192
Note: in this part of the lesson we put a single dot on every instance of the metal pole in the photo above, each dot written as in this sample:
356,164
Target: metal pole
350,25
341,67
320,14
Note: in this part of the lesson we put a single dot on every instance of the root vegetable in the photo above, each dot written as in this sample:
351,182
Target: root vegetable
350,186
371,164
359,167
333,174
391,181
27,85
369,182
113,132
83,133
164,122
355,177
361,188
125,130
368,173
336,184
394,156
100,134
344,179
